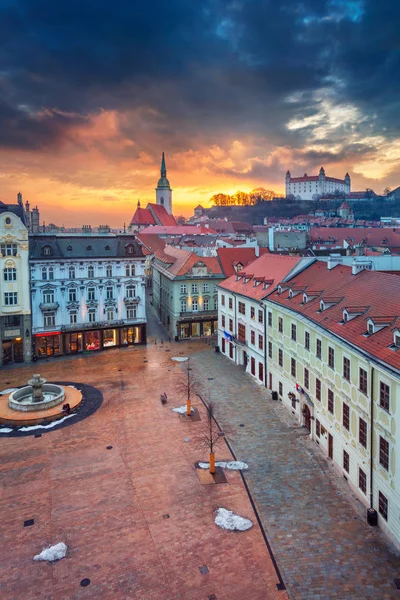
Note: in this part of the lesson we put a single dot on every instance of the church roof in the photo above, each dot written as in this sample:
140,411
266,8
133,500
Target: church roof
153,214
143,216
344,205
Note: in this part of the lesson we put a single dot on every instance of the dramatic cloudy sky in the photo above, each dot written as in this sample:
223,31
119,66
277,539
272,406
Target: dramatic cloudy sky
235,92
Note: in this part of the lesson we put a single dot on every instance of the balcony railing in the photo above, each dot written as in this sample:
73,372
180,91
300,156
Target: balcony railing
212,314
99,324
44,306
131,300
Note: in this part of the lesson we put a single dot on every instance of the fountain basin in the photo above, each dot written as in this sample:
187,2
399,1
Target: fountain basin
21,400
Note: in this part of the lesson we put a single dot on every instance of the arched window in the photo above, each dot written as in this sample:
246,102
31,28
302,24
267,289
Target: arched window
69,248
107,247
129,249
47,251
162,200
88,247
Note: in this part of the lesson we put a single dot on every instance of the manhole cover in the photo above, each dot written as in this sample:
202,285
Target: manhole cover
85,582
109,447
203,569
29,522
241,425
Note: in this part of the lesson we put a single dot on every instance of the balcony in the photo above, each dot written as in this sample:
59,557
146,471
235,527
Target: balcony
99,324
131,300
199,314
45,306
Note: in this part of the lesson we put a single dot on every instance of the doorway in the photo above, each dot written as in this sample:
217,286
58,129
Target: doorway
330,446
245,359
307,417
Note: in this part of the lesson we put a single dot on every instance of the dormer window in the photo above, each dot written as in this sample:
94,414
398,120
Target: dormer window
69,248
371,328
322,305
396,339
129,249
375,324
46,251
88,247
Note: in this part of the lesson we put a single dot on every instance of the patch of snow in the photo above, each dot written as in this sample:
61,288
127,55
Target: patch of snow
181,410
56,552
226,519
233,465
5,430
72,387
8,391
186,440
53,424
180,358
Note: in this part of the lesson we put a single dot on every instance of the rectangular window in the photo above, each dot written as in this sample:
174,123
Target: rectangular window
260,342
110,314
346,368
362,481
48,297
109,293
8,249
184,288
230,325
293,367
10,274
346,416
71,272
242,308
269,319
223,321
49,319
331,401
131,312
318,350
252,337
363,381
252,312
184,306
307,340
195,306
91,294
206,288
383,453
317,428
383,506
318,389
109,271
230,303
230,350
242,333
280,357
92,315
90,272
362,433
331,357
306,379
222,299
384,395
280,389
294,332
346,461
194,288
260,371
10,298
293,402
260,316
280,325
215,303
270,349
253,366
73,318
205,305
223,343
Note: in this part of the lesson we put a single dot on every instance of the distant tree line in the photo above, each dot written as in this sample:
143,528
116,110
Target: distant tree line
252,198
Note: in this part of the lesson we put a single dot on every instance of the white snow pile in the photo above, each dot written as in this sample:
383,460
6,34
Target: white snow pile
53,424
8,391
180,358
181,409
5,430
56,552
233,465
226,519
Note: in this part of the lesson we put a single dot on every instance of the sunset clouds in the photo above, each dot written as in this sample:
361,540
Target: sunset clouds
234,92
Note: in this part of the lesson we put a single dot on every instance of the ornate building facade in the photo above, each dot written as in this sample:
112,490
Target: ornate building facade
88,293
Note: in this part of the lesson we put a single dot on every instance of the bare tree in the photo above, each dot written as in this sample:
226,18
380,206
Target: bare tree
187,387
211,434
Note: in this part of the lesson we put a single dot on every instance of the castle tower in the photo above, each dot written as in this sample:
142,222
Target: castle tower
347,181
163,189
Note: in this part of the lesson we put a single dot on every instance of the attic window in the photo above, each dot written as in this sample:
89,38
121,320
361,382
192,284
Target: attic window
396,339
107,247
88,247
47,251
279,289
371,328
129,249
69,248
322,305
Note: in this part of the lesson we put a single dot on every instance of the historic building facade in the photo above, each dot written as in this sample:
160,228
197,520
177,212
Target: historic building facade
310,186
15,305
88,293
333,359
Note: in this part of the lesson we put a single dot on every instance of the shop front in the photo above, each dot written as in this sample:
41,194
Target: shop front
48,344
13,351
197,328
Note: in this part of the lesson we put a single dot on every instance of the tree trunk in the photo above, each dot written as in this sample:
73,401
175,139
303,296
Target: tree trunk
212,463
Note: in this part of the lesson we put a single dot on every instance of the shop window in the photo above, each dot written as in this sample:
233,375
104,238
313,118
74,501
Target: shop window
92,340
49,319
109,338
10,298
131,313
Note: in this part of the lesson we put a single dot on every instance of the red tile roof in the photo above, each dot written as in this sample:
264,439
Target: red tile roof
230,257
380,290
179,262
268,268
368,236
142,216
179,230
150,243
162,217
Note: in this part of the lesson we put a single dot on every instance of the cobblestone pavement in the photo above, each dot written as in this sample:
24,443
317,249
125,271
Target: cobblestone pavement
316,527
120,489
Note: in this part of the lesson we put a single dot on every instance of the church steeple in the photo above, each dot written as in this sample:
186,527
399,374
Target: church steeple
163,167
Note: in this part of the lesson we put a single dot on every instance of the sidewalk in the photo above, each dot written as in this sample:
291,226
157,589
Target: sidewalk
318,533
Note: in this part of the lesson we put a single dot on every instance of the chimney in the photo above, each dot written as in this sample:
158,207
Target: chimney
19,196
257,250
35,220
360,250
334,260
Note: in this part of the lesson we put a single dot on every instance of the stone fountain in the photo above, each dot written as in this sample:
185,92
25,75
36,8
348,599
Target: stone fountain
37,395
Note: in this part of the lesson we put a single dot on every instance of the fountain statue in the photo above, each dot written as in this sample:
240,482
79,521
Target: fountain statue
37,395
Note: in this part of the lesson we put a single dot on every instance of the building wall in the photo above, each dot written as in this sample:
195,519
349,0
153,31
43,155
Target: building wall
15,319
308,189
387,482
289,239
251,353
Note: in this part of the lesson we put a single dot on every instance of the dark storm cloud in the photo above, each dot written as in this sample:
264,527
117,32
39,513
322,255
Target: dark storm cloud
209,70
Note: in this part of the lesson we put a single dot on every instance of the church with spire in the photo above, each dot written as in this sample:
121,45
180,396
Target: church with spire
158,213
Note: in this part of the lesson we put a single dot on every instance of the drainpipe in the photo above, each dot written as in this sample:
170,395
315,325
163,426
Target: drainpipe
371,491
236,332
264,309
